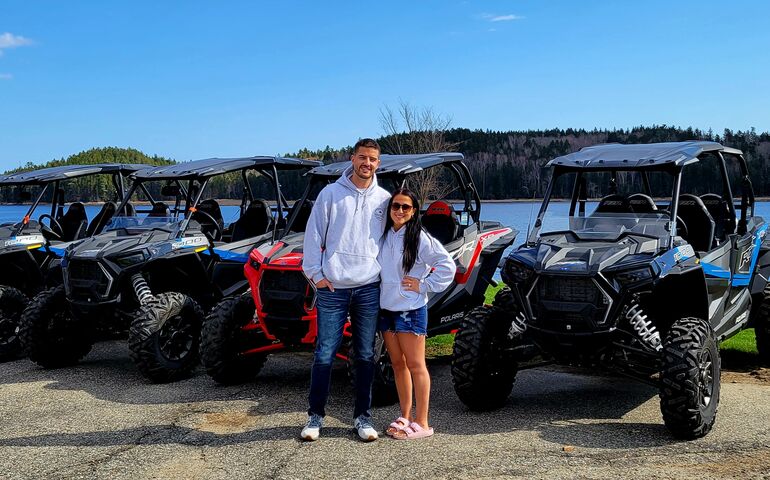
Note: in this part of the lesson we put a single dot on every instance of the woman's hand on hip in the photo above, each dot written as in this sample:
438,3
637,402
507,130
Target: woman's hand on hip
411,284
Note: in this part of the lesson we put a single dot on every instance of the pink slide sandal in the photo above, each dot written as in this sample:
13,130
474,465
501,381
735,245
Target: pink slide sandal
398,425
413,431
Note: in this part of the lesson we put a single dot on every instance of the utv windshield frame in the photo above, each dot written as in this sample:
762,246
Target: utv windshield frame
616,158
46,177
198,174
398,168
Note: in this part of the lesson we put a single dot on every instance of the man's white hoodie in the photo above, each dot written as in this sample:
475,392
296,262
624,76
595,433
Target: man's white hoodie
434,268
344,232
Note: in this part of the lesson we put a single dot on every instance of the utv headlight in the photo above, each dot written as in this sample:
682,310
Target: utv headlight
631,277
130,259
517,272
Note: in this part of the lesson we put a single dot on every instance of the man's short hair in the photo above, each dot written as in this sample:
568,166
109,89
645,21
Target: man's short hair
366,143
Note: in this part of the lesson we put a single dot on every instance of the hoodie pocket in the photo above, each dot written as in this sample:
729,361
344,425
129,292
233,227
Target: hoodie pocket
350,268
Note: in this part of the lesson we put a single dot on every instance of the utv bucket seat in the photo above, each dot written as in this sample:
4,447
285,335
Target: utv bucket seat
74,222
700,225
256,220
440,221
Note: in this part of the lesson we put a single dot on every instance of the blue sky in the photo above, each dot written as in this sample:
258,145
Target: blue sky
191,80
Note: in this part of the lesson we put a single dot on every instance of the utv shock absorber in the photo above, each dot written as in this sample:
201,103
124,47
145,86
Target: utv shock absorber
141,289
518,326
643,327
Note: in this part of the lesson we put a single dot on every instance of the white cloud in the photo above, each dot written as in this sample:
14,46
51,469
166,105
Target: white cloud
5,76
500,18
9,40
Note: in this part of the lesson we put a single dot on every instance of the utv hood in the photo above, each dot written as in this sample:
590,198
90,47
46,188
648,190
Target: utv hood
113,244
565,253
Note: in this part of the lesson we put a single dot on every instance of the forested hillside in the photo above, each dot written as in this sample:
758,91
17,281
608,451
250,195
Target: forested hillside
92,188
504,164
510,164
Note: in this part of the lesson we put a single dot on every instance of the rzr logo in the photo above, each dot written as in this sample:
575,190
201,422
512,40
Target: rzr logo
745,258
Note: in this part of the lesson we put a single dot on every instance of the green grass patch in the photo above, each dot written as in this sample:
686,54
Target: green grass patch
745,342
743,345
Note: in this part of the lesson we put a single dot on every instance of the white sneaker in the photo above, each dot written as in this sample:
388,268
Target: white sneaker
365,429
312,429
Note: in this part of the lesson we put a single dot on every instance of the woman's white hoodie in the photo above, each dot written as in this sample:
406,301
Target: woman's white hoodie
434,268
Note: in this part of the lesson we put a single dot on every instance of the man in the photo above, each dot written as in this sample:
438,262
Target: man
342,240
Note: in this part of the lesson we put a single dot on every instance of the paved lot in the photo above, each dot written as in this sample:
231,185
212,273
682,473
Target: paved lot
100,419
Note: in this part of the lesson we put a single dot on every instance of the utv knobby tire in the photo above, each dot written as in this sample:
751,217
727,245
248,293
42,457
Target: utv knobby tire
12,304
223,341
164,338
482,371
384,392
690,378
762,328
50,335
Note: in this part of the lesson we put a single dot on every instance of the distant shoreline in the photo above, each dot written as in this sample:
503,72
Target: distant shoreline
228,202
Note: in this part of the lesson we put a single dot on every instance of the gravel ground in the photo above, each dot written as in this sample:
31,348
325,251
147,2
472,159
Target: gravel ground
100,419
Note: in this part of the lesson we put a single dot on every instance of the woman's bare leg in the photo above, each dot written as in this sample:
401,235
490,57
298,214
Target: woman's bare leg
403,379
413,349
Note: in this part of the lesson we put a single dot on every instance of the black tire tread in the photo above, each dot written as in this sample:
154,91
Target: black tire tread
762,328
477,385
35,338
219,345
143,337
13,302
679,389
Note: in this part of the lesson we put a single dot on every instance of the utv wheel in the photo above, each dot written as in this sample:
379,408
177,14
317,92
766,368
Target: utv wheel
482,370
689,391
164,338
223,341
762,328
50,335
384,391
12,304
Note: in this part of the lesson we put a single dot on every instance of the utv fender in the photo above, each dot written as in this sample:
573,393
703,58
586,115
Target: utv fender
762,276
54,276
681,293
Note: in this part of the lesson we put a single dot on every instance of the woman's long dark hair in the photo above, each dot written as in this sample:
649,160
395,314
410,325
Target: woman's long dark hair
413,228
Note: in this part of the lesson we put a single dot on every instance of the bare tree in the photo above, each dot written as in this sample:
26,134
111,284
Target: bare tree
409,129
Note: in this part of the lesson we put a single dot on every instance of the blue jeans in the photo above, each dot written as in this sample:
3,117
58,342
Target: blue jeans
363,304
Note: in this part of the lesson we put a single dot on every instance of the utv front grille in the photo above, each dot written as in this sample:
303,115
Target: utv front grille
283,293
568,304
87,280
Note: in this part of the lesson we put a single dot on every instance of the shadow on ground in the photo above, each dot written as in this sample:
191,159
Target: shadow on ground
562,406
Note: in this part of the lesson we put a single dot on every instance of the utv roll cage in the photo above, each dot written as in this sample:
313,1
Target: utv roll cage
46,177
397,168
665,157
196,175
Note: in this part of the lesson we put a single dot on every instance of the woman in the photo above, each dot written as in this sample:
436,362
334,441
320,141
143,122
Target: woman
413,264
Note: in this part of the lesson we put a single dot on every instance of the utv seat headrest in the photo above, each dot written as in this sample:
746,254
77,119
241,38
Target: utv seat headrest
440,222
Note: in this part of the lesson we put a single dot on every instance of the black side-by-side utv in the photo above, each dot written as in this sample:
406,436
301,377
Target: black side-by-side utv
30,250
647,281
160,270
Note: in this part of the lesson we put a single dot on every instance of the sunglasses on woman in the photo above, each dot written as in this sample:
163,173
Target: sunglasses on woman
395,206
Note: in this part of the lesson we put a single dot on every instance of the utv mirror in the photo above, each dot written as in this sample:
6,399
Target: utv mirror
25,196
170,190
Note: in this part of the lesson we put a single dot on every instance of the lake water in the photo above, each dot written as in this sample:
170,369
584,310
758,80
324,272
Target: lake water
512,214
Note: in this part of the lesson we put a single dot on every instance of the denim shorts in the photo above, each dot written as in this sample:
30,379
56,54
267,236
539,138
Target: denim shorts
411,321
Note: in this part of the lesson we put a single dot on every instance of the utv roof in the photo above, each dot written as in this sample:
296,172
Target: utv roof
649,155
394,164
64,172
210,167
